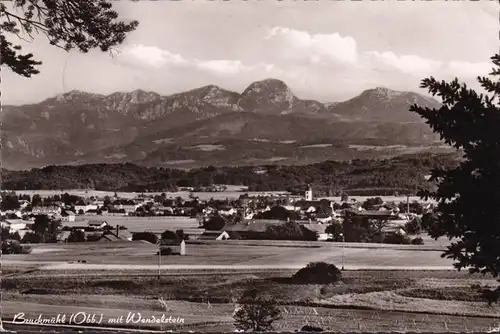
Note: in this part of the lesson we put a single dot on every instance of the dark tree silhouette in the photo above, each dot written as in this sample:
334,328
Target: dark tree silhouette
215,223
76,236
468,195
318,273
257,313
68,24
9,202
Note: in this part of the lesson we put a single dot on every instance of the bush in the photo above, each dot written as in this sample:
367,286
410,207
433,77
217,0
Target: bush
32,238
11,246
76,236
318,273
414,226
166,251
146,236
397,239
417,241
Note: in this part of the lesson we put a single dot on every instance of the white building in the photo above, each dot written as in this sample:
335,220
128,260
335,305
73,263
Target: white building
309,194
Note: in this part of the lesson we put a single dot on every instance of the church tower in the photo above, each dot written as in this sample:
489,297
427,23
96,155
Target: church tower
309,194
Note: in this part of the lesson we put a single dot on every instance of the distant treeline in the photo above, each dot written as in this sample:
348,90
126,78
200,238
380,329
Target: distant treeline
403,175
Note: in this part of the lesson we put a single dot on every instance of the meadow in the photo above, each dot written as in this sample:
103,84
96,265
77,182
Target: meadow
384,287
236,253
363,300
142,224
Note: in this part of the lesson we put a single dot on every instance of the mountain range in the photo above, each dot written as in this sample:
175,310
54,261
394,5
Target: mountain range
265,124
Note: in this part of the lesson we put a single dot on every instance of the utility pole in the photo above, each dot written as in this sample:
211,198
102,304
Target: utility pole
159,260
343,243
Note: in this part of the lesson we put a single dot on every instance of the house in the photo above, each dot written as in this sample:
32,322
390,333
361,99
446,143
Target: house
129,207
46,210
15,225
12,213
68,216
84,207
227,212
92,212
108,237
177,246
368,214
252,229
63,236
123,235
320,230
214,235
97,224
324,218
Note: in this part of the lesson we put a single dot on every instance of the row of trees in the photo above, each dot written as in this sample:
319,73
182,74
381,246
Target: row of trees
329,178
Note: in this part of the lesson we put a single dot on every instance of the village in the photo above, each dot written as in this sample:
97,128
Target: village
151,218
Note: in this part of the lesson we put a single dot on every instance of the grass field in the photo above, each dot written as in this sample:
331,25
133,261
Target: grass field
252,254
141,224
202,286
363,301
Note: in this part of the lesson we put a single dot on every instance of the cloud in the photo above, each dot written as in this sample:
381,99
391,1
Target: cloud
154,58
469,70
317,46
408,64
150,56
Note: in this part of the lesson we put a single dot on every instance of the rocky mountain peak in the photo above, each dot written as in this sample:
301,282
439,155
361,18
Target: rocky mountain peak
268,96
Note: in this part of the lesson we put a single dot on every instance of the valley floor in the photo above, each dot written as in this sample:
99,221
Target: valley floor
203,286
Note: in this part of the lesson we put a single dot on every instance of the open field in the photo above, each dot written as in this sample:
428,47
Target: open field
362,301
203,286
241,254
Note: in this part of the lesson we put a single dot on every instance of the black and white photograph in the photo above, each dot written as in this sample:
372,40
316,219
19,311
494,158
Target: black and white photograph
249,166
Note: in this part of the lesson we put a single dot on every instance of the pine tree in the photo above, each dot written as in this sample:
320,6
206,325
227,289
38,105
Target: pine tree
68,24
468,196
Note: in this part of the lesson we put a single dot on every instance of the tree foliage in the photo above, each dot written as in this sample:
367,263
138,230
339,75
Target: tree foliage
214,223
257,313
318,273
67,24
362,177
468,195
76,236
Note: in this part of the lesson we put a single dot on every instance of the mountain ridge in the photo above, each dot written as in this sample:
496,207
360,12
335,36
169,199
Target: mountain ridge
79,125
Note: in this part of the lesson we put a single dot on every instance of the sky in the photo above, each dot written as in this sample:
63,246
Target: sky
324,50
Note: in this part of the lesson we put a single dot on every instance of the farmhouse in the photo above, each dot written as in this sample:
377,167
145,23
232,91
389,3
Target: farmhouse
46,210
214,235
14,214
97,224
15,225
176,246
252,229
108,237
320,230
63,236
68,216
384,215
124,235
83,208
